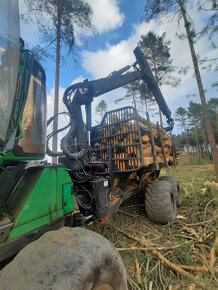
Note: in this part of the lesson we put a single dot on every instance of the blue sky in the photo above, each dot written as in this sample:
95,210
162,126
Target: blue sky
118,29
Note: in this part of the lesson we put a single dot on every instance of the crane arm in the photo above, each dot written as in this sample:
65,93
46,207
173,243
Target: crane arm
83,93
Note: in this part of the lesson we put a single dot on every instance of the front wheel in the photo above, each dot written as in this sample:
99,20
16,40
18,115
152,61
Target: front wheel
69,258
160,202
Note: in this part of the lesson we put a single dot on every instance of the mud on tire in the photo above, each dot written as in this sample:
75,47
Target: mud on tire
176,188
160,202
69,258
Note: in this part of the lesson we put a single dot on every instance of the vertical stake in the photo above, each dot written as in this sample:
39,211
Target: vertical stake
157,167
174,149
162,145
111,167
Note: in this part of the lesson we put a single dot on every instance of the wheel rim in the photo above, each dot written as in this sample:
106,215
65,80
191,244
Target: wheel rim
178,188
173,202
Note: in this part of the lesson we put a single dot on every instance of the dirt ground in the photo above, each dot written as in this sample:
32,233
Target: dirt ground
180,255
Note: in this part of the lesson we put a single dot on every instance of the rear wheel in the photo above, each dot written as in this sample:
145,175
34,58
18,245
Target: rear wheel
66,259
176,188
160,202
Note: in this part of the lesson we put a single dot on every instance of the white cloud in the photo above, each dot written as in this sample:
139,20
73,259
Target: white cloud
50,102
103,62
106,15
80,79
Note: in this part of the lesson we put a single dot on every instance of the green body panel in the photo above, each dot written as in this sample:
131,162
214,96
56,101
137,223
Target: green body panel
9,158
40,194
43,196
68,197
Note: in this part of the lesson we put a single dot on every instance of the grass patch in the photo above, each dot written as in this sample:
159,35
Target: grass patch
186,160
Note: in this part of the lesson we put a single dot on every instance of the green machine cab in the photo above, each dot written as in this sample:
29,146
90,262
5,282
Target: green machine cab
31,197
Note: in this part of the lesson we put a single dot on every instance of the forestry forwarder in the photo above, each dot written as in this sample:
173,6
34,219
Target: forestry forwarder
93,176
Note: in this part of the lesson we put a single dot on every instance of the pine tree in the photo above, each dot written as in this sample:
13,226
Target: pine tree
194,115
101,108
138,92
211,26
181,117
132,93
157,52
146,97
56,20
213,106
156,8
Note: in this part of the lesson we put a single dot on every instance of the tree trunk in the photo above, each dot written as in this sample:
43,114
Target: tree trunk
216,114
57,77
134,100
161,119
186,134
205,143
146,107
201,91
197,141
187,143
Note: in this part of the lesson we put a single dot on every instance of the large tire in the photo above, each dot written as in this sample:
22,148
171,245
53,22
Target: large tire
176,188
160,202
68,258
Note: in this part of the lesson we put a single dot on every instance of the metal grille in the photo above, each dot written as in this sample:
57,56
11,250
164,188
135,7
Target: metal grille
118,140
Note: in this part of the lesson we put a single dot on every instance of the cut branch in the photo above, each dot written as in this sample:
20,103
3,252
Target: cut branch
213,254
176,268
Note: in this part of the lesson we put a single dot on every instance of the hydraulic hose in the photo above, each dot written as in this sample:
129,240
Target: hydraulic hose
48,150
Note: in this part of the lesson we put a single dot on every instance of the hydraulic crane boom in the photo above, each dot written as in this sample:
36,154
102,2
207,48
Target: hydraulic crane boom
83,94
86,91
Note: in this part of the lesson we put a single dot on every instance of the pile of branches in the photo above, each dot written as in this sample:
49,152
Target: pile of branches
161,250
